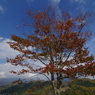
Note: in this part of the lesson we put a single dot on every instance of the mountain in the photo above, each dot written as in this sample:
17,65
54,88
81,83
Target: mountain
5,81
78,87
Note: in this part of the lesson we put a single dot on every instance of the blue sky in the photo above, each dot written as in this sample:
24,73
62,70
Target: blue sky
13,11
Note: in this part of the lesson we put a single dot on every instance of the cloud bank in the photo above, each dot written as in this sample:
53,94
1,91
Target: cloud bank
5,50
7,67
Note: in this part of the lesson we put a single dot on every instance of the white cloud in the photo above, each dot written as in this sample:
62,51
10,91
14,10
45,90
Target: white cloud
7,67
1,38
5,50
1,9
77,1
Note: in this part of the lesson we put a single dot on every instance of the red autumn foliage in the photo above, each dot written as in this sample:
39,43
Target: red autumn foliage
61,42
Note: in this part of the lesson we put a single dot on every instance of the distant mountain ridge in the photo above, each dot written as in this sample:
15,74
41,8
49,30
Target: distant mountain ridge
5,81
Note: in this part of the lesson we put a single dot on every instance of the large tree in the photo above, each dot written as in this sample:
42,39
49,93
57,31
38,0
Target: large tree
58,40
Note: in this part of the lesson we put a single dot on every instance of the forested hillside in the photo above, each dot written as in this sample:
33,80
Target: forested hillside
79,87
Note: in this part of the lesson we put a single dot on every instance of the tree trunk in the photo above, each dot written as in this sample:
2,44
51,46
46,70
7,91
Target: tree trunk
52,76
58,84
59,80
53,84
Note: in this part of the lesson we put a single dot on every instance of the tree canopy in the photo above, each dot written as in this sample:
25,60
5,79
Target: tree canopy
59,40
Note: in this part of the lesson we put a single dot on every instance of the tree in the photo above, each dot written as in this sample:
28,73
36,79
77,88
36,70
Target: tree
59,40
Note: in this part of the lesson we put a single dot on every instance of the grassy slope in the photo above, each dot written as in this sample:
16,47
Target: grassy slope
81,87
